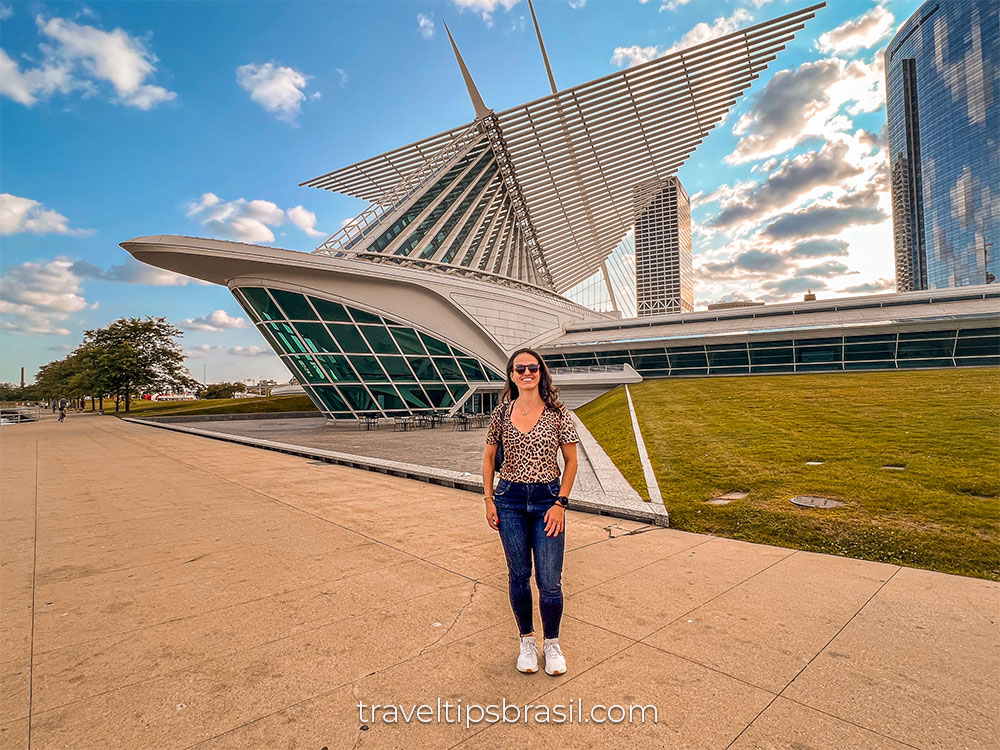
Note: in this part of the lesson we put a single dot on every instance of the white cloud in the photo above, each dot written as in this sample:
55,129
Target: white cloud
216,321
19,214
344,78
634,55
134,272
243,220
251,351
6,11
425,25
672,4
304,220
77,55
703,32
485,8
36,296
577,4
248,221
279,90
806,102
196,352
865,31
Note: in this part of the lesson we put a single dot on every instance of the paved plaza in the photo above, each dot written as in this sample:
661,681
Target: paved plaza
163,590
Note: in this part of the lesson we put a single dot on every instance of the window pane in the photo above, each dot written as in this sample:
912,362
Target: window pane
309,369
471,369
365,317
413,396
378,337
728,359
770,344
368,369
978,347
433,345
294,305
764,369
494,377
349,338
357,398
965,332
805,354
287,339
883,350
919,335
650,359
580,360
771,356
332,311
449,369
387,397
316,337
330,398
264,305
694,359
408,340
923,349
397,369
728,370
246,306
337,369
912,363
866,339
440,396
879,365
817,366
978,361
423,368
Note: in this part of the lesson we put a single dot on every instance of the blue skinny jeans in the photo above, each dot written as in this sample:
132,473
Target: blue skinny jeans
521,511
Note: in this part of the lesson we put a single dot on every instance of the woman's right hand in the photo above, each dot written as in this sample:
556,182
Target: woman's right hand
491,514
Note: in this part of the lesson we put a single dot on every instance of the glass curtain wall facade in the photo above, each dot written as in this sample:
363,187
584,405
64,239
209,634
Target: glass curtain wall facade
354,363
966,347
943,105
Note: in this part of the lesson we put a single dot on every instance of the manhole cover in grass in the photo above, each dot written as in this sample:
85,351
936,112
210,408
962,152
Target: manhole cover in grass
815,501
728,497
814,463
894,467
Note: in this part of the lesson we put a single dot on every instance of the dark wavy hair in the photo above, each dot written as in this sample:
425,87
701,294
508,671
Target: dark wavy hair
548,392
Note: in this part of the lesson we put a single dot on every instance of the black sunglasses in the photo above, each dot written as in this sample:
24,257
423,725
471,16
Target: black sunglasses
519,369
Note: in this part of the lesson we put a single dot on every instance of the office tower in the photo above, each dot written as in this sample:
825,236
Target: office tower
663,249
943,105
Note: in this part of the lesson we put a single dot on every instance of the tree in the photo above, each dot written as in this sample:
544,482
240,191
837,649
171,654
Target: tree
222,390
132,355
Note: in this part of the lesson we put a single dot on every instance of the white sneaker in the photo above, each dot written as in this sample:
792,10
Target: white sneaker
527,660
555,662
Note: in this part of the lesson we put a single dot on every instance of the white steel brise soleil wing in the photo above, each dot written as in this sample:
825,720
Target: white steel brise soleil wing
571,161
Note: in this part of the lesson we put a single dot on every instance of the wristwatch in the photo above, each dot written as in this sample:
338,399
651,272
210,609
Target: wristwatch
563,501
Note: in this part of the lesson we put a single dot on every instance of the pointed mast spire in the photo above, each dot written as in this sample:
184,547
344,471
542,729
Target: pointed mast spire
477,101
541,44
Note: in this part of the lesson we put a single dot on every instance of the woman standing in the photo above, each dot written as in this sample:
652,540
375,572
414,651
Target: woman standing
529,506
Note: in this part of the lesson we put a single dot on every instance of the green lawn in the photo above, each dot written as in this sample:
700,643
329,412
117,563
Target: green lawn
143,408
706,436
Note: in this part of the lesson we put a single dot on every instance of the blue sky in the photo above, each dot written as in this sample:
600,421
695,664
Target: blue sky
200,118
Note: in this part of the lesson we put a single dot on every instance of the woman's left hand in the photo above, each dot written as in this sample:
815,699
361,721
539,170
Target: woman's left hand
555,520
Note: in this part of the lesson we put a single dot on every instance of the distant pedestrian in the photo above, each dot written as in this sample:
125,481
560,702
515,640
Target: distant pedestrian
63,405
529,507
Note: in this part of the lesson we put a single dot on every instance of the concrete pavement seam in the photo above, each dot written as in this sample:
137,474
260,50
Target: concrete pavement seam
821,650
34,568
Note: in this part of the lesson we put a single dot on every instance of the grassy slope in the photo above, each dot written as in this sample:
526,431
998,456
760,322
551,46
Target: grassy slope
710,435
142,408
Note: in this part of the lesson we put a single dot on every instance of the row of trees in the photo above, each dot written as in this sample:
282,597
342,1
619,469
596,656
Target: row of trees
124,359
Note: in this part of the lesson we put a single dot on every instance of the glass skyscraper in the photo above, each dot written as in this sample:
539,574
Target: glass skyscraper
943,104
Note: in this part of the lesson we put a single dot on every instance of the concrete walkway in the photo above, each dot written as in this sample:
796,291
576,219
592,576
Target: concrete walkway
162,590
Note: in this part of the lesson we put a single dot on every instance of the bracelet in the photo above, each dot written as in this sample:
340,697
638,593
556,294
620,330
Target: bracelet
487,497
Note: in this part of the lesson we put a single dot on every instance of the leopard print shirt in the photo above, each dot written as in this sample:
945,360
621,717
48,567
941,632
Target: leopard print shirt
531,456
